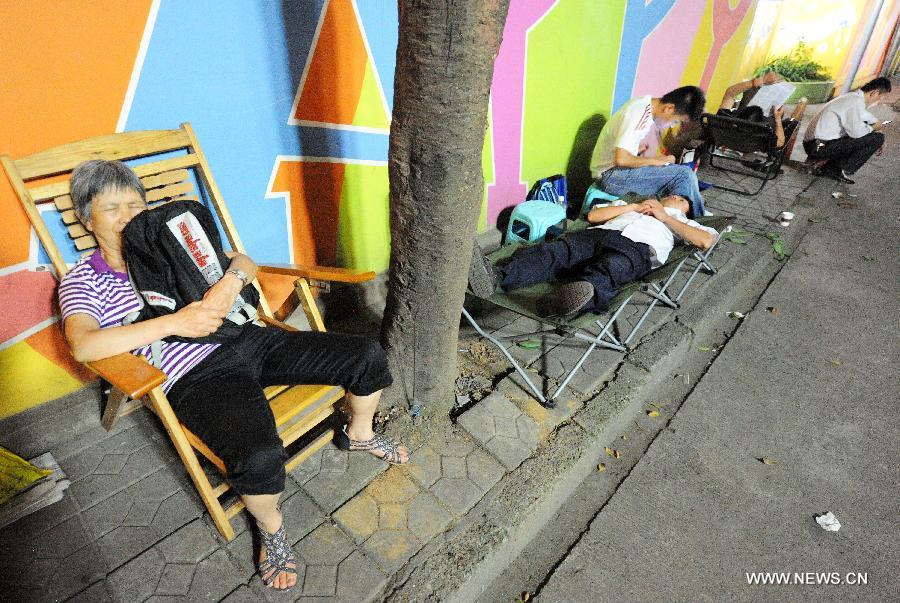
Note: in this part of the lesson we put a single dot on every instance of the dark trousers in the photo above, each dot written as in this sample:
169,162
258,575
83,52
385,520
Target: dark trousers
604,258
221,400
848,154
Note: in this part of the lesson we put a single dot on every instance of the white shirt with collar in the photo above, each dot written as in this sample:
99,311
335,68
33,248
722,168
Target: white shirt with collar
844,116
642,228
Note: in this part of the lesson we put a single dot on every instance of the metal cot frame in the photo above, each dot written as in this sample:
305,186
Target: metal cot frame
655,285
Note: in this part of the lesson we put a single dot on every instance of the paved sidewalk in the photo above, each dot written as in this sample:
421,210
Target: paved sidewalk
809,381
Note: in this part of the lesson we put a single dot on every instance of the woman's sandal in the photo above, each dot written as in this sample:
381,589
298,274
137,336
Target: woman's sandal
278,555
389,447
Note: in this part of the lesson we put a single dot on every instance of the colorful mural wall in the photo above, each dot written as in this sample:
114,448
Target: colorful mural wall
832,29
292,103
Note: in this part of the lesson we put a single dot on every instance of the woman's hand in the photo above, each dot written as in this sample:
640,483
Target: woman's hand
220,297
195,320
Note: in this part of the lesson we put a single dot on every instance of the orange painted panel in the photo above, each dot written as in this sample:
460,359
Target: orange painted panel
51,344
314,189
335,76
29,298
65,67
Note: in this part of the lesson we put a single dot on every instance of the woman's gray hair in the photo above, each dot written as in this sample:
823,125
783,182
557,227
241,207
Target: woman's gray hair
98,176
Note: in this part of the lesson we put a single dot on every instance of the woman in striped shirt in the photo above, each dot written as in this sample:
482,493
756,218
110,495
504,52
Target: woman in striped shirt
216,390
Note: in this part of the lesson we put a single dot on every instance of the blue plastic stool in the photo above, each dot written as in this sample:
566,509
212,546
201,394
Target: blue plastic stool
594,196
531,219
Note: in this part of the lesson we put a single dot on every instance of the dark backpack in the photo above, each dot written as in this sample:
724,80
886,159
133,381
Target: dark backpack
174,254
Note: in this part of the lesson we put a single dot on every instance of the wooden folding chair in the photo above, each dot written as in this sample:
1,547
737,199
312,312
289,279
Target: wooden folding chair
178,170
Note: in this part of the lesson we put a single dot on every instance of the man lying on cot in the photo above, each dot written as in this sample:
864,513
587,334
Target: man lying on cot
630,239
216,390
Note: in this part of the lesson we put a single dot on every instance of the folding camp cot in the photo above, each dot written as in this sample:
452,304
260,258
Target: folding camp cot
590,327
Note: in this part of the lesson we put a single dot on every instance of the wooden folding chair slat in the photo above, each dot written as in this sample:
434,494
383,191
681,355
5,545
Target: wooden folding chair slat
77,230
185,198
297,409
123,146
166,192
85,243
165,165
170,177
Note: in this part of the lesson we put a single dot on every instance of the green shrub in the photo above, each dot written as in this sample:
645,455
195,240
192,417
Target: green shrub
796,66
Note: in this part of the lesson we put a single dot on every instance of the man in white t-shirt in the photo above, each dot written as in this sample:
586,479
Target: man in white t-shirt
618,161
630,239
845,133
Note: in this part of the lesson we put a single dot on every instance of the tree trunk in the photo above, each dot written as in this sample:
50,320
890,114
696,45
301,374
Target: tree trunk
445,64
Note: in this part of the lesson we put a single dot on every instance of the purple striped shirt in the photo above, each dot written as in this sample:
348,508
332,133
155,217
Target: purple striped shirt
95,289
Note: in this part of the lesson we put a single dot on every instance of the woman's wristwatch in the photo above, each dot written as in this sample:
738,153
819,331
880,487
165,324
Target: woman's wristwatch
240,274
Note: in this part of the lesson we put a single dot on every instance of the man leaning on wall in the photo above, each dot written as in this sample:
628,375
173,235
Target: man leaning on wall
618,160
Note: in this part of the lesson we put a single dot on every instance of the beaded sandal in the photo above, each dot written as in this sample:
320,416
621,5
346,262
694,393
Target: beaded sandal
278,555
389,447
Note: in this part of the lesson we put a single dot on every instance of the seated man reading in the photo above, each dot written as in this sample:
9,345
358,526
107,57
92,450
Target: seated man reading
783,127
630,239
618,161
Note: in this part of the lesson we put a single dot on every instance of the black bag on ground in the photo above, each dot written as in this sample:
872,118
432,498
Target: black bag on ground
174,255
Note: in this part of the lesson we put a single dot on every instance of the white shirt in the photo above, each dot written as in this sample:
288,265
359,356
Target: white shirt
625,129
844,116
647,229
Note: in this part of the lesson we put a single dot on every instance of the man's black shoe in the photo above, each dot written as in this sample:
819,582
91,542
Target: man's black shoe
567,298
483,278
837,174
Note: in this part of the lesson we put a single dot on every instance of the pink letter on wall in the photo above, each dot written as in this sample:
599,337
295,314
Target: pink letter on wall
508,105
725,23
665,52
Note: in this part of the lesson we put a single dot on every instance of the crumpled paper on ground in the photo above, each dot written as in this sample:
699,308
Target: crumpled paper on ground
828,522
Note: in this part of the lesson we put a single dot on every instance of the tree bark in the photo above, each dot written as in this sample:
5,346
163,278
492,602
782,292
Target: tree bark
445,65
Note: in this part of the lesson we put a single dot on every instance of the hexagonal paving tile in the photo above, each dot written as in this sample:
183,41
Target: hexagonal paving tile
505,431
392,518
455,470
331,476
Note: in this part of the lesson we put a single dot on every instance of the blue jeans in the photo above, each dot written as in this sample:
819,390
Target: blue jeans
675,179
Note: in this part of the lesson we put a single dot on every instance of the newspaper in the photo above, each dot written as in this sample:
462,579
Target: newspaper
773,95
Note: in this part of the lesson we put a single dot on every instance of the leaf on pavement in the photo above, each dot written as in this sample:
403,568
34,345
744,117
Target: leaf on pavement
529,344
772,310
601,467
652,413
765,460
704,348
835,362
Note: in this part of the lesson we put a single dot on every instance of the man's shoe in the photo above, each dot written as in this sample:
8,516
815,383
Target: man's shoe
483,278
567,298
837,174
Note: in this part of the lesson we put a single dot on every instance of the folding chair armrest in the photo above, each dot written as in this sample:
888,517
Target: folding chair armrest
131,374
321,273
276,323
